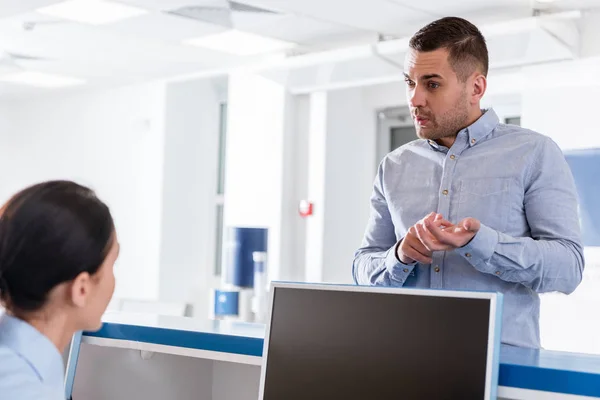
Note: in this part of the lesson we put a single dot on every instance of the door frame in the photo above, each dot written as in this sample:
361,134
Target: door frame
388,119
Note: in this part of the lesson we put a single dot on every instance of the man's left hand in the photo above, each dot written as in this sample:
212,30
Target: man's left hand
437,234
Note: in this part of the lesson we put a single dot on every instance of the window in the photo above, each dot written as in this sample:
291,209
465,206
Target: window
220,195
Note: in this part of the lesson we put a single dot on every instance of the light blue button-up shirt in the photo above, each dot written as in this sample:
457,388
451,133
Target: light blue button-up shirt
31,367
517,184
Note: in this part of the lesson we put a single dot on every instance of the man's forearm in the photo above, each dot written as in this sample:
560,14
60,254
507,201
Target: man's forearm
542,265
380,267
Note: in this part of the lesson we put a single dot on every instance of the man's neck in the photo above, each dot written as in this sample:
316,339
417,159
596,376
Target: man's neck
448,141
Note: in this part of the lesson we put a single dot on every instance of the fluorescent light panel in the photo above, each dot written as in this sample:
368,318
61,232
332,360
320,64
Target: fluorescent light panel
40,79
240,43
94,12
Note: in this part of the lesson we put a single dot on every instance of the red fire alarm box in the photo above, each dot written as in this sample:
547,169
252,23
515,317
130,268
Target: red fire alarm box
305,208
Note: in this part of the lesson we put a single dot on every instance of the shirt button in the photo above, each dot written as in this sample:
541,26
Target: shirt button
437,269
445,192
497,272
452,157
472,141
467,254
405,270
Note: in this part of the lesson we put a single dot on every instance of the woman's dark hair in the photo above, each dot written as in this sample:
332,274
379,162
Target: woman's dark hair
50,233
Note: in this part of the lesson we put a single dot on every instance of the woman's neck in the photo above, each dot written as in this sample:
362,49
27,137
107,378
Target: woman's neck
54,325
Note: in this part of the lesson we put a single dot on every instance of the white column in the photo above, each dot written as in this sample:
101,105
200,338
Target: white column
258,140
187,250
342,161
317,153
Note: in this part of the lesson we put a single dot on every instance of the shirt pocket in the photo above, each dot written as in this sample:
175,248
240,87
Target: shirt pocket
486,199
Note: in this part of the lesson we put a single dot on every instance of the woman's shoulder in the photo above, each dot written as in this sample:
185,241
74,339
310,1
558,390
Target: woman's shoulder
18,380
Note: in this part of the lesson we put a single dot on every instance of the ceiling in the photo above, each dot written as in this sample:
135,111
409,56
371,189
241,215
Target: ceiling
150,46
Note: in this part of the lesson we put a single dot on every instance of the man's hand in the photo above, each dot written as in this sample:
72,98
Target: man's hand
411,248
437,234
434,233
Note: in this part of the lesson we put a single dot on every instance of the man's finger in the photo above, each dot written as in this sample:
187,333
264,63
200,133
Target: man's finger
436,244
441,222
413,246
439,234
471,224
426,239
416,255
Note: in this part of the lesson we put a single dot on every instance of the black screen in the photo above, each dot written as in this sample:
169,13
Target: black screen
328,344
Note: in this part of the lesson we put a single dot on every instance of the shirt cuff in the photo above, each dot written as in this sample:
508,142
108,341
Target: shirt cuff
480,249
398,270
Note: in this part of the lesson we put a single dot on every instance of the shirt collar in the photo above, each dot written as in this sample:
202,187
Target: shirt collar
478,130
39,352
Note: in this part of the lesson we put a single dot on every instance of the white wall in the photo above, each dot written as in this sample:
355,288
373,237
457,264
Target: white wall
342,168
294,189
111,140
561,101
187,247
350,171
258,137
316,167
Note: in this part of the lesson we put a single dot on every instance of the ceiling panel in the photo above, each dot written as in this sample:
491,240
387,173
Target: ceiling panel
149,46
99,50
162,26
566,5
383,16
14,7
441,8
162,5
306,31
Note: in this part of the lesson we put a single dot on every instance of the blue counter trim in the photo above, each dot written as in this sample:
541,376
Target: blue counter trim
550,380
519,368
219,342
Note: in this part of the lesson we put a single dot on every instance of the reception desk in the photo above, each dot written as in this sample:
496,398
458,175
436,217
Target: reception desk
157,357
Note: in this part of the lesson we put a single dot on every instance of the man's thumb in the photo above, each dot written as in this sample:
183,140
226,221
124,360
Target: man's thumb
470,224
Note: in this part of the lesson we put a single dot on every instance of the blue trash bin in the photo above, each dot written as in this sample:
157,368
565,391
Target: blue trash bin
241,244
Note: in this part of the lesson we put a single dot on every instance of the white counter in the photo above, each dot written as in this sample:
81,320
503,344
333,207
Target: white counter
156,357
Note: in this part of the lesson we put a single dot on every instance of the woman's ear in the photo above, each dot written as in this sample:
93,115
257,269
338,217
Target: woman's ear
80,289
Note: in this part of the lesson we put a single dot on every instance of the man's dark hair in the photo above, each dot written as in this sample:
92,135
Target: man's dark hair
464,42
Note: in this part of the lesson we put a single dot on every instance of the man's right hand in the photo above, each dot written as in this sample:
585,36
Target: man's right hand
411,248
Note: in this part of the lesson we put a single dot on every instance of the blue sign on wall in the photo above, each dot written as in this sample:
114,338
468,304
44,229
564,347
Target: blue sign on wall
585,165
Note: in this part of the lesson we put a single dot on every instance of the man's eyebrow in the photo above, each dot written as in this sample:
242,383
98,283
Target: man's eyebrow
431,76
424,77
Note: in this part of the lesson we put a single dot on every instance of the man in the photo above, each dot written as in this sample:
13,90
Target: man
474,204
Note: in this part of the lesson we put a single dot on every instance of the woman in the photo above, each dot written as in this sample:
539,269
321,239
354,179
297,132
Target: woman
57,251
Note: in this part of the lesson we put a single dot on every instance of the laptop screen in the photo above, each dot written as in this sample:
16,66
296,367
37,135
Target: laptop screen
356,343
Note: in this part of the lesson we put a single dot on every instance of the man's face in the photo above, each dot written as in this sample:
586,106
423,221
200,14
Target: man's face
438,100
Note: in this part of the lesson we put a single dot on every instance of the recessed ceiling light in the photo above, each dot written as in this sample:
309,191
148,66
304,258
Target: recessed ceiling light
95,12
41,79
240,43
